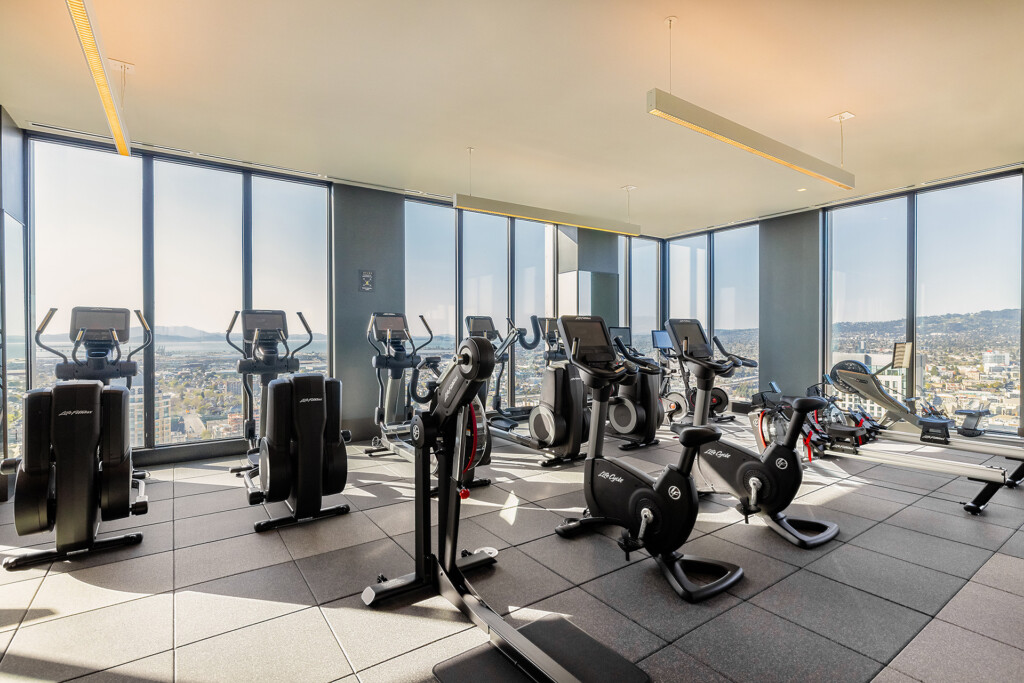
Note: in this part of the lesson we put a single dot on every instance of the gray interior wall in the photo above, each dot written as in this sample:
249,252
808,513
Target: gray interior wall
368,234
790,299
591,251
12,163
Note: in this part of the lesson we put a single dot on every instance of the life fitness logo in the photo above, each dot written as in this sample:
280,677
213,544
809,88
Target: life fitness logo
68,413
674,493
311,399
781,463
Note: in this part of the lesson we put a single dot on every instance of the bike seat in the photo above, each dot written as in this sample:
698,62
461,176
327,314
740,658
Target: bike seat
845,431
692,437
977,413
808,404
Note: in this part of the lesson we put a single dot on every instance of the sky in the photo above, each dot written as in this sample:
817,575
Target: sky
687,278
736,278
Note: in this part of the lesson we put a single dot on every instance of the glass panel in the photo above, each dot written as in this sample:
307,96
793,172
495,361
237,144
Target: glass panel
198,285
623,290
643,293
14,333
430,273
736,302
535,295
968,299
87,217
868,289
688,278
289,260
485,274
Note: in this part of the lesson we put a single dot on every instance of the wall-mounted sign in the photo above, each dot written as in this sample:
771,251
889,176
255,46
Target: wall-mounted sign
365,280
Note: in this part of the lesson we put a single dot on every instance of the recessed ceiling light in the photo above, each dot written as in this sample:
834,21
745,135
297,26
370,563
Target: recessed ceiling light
802,189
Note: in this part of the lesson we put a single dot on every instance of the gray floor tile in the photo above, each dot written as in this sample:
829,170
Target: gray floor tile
417,666
1014,546
988,611
891,675
713,515
547,484
672,664
758,536
946,556
1003,572
200,563
204,468
329,533
26,574
579,559
914,586
922,481
5,640
158,668
471,537
208,609
881,492
570,504
15,599
970,530
750,644
348,571
297,646
395,519
156,538
862,622
603,623
520,525
944,652
759,570
159,490
641,593
64,594
994,513
371,635
848,499
379,474
964,490
160,511
217,526
218,500
516,580
850,526
491,498
221,481
131,630
366,498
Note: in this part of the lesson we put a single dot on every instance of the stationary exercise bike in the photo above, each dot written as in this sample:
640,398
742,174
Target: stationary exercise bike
299,453
679,406
635,411
764,484
77,454
656,514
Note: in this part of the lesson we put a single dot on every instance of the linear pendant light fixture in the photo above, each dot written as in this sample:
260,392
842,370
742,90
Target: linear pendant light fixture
80,11
532,213
676,110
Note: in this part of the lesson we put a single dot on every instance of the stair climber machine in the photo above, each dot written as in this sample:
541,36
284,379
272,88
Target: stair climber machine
77,454
395,352
764,483
635,411
550,649
832,432
679,406
299,453
656,514
559,424
931,427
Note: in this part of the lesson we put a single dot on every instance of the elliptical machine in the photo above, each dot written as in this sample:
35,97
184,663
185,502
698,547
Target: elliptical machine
765,484
655,514
635,411
499,416
77,453
299,453
548,650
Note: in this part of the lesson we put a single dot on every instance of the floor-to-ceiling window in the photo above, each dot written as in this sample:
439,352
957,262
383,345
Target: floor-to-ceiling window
87,222
198,285
430,244
736,311
688,278
968,298
485,276
644,301
868,288
534,296
15,337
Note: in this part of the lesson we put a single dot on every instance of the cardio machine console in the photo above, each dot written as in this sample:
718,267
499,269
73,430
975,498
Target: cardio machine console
481,326
97,323
391,326
622,333
660,340
687,334
594,340
267,322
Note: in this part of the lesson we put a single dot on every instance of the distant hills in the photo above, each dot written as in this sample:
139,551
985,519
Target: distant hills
180,334
983,325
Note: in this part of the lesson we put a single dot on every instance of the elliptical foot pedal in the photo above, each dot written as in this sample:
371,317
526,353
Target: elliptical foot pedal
583,657
802,532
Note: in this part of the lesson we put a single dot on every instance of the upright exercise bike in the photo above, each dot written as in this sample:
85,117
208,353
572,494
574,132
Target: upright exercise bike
764,484
635,411
656,514
679,406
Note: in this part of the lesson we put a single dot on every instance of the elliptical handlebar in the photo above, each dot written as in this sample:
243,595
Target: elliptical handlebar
147,334
739,361
39,333
416,349
637,360
227,336
534,342
308,332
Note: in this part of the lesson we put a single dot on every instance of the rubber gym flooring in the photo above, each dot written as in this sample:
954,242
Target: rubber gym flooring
913,588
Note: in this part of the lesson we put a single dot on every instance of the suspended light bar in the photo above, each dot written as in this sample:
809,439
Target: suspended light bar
532,213
90,41
672,108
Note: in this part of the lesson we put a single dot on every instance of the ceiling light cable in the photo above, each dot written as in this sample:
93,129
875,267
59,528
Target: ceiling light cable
470,150
842,145
670,21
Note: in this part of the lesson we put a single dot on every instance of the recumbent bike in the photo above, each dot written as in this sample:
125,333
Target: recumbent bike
77,454
299,452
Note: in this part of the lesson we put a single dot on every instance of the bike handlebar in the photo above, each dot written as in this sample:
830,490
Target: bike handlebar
739,361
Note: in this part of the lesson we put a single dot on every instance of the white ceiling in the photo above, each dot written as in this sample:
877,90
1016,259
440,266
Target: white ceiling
550,94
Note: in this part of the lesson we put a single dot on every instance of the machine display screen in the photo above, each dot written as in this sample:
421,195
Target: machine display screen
591,333
622,333
99,321
479,325
691,333
264,321
661,340
389,322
